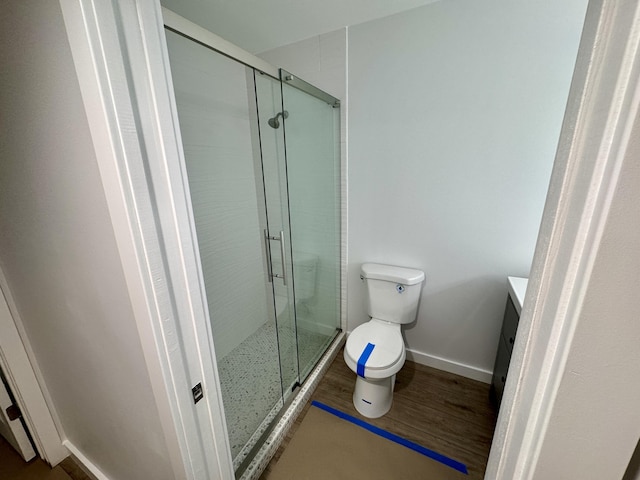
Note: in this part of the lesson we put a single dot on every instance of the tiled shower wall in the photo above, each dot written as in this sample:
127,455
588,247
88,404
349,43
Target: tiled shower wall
214,118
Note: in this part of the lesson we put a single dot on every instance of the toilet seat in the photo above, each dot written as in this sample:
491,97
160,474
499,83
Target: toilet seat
388,354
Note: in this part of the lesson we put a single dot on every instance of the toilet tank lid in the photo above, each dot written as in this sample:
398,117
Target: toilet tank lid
390,273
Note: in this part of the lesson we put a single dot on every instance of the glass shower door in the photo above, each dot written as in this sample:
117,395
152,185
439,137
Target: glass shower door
262,168
217,111
312,133
271,117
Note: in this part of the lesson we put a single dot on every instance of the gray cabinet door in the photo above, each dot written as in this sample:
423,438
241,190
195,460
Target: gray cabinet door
500,370
510,324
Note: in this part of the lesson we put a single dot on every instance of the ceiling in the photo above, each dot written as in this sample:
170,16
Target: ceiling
260,25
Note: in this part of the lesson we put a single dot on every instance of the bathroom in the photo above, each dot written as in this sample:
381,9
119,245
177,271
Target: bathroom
448,137
450,115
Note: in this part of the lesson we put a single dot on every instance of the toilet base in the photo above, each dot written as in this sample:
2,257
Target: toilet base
373,397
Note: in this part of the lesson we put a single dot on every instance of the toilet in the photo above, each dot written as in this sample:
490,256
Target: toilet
375,350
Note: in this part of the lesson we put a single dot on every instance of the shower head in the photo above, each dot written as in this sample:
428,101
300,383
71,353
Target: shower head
274,122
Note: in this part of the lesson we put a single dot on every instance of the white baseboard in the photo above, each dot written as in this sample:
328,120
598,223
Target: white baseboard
450,366
84,463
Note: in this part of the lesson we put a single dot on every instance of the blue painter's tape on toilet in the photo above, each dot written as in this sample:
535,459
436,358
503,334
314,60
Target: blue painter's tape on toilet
362,361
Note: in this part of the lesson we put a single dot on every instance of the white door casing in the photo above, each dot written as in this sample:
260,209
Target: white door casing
120,57
25,381
12,430
603,103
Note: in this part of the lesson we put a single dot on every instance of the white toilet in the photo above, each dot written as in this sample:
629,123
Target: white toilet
375,350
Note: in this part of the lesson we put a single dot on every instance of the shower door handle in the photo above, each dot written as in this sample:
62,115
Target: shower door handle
284,264
267,246
270,273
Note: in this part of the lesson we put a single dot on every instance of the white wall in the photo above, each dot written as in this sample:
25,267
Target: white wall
454,115
262,26
59,256
454,111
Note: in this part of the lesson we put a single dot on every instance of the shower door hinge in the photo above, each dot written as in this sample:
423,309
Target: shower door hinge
197,392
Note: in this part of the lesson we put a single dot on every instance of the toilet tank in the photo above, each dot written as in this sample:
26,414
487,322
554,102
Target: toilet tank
392,292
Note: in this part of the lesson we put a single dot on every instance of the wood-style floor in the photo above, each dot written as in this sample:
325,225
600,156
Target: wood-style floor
449,414
13,467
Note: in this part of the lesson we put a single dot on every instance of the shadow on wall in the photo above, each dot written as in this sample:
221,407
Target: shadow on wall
450,318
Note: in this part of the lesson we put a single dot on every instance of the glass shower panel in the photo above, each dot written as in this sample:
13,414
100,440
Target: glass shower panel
312,133
216,110
272,150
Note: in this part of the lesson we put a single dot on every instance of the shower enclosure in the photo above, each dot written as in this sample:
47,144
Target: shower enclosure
263,171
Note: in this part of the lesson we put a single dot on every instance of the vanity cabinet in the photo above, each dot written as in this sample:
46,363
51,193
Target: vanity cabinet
505,348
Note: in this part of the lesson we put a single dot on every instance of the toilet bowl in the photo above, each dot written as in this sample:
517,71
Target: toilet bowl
375,351
373,392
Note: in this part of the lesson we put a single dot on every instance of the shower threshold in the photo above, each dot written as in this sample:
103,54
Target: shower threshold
275,427
251,362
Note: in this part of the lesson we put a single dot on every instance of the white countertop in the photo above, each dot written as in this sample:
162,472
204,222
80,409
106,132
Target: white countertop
517,291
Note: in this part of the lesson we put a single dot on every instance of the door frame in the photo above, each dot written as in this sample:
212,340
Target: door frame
14,430
25,381
604,100
121,61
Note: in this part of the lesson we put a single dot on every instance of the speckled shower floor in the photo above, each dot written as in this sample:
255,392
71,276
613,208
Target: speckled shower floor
250,378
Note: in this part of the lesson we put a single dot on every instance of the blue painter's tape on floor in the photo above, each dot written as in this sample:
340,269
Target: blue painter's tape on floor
362,361
461,467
